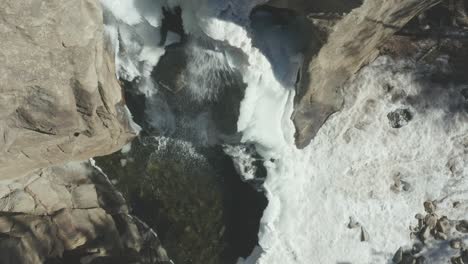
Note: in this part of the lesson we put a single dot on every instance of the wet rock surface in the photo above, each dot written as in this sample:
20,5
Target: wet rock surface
72,214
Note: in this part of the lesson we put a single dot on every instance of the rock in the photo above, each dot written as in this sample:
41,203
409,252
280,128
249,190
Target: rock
18,201
328,67
429,207
464,255
71,226
462,226
402,257
456,244
398,256
85,196
60,98
425,233
396,186
49,195
353,223
420,260
440,236
407,258
83,231
418,247
443,225
364,235
128,229
430,220
457,260
399,117
406,186
419,216
399,184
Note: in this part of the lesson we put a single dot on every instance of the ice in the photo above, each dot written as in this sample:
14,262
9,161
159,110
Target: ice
126,149
206,72
243,158
134,126
124,10
133,28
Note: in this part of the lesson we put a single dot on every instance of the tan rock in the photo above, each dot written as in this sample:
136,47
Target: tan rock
364,235
19,201
49,195
39,220
429,207
353,43
59,96
76,227
443,225
85,196
431,220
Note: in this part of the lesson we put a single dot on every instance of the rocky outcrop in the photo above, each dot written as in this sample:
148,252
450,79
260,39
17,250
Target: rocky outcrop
354,42
60,99
433,234
71,214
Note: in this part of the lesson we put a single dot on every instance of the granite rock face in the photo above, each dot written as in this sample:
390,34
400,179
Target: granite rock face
71,214
353,42
60,99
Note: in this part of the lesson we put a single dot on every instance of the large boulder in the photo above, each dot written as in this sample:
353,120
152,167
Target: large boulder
71,214
60,99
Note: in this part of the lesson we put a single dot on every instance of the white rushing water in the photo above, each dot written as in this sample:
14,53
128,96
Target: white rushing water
349,167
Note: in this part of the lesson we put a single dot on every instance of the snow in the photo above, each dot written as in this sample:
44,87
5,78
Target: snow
134,31
134,126
350,165
243,159
124,9
126,149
